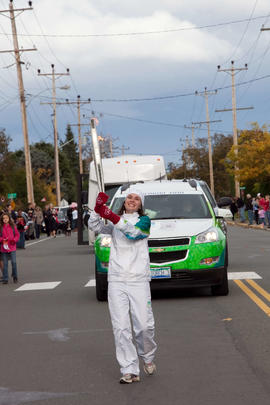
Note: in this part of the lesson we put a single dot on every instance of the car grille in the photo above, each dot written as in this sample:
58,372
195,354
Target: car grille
181,275
163,257
168,242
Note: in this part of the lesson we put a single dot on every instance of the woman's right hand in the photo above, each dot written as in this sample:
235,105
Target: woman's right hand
102,198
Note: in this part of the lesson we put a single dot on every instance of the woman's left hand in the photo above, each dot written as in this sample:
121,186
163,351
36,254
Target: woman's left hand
106,213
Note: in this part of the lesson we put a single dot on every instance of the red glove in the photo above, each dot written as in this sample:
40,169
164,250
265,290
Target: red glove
102,198
106,213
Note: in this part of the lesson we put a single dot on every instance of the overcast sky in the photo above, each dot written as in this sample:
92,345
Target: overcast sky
126,50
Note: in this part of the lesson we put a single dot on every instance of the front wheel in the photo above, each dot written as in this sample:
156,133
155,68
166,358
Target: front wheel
223,288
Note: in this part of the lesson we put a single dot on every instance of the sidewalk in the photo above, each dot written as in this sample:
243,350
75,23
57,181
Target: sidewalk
246,225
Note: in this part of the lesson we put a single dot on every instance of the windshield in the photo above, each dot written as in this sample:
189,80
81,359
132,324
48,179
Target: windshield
110,191
170,206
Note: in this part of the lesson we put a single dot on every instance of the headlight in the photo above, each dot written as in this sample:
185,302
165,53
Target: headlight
211,235
105,241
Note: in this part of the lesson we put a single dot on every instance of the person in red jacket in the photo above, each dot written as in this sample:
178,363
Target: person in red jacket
9,236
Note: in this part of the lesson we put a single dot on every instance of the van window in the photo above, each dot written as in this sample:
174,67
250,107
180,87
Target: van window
172,206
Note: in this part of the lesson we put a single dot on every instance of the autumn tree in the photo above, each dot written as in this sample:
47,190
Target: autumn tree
253,159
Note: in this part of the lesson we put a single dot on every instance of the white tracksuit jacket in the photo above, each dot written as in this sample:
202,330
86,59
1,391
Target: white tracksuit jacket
129,290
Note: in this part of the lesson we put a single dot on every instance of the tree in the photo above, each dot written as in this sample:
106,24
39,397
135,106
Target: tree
69,166
195,163
42,159
253,159
224,184
5,161
70,150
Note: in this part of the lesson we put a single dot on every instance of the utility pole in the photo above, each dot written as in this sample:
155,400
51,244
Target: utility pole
192,133
108,138
78,103
56,154
111,147
232,71
123,149
205,94
17,51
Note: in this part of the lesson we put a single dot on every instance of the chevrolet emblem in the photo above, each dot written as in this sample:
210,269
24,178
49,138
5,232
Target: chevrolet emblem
159,250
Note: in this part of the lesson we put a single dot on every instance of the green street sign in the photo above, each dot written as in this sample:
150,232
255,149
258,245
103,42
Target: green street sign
242,188
12,195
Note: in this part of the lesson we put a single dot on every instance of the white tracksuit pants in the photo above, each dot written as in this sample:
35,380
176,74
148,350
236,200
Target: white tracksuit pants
132,300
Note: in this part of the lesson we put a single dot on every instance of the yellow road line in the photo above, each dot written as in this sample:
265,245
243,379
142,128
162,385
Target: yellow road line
254,297
256,286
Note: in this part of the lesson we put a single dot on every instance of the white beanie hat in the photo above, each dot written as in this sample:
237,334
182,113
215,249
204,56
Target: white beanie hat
134,190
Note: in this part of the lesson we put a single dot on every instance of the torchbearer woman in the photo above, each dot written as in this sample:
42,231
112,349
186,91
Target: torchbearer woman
128,282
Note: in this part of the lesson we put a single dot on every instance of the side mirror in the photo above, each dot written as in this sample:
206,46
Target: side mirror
124,187
224,202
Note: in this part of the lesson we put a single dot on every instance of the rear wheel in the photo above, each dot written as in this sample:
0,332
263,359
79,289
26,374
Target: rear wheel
101,286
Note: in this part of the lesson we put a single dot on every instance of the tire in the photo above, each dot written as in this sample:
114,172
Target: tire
226,257
223,288
101,287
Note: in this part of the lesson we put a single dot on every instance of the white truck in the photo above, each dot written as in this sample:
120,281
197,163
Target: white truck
124,169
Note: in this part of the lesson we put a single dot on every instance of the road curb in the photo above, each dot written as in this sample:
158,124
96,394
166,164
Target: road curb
243,225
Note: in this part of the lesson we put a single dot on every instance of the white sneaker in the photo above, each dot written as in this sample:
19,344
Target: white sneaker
149,368
129,378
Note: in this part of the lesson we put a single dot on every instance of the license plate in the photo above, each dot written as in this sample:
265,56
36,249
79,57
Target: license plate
161,272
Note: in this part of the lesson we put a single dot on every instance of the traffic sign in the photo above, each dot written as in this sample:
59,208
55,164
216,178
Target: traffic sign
12,195
242,188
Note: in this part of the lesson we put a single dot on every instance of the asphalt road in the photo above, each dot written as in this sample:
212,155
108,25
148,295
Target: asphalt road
57,346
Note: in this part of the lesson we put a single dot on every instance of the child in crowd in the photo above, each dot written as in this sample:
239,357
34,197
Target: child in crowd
9,236
261,217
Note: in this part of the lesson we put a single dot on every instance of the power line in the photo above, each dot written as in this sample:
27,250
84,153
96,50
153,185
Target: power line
28,167
244,33
144,32
154,122
176,95
52,52
56,152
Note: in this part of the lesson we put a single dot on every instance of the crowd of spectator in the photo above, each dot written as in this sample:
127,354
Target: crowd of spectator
34,220
254,210
21,225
